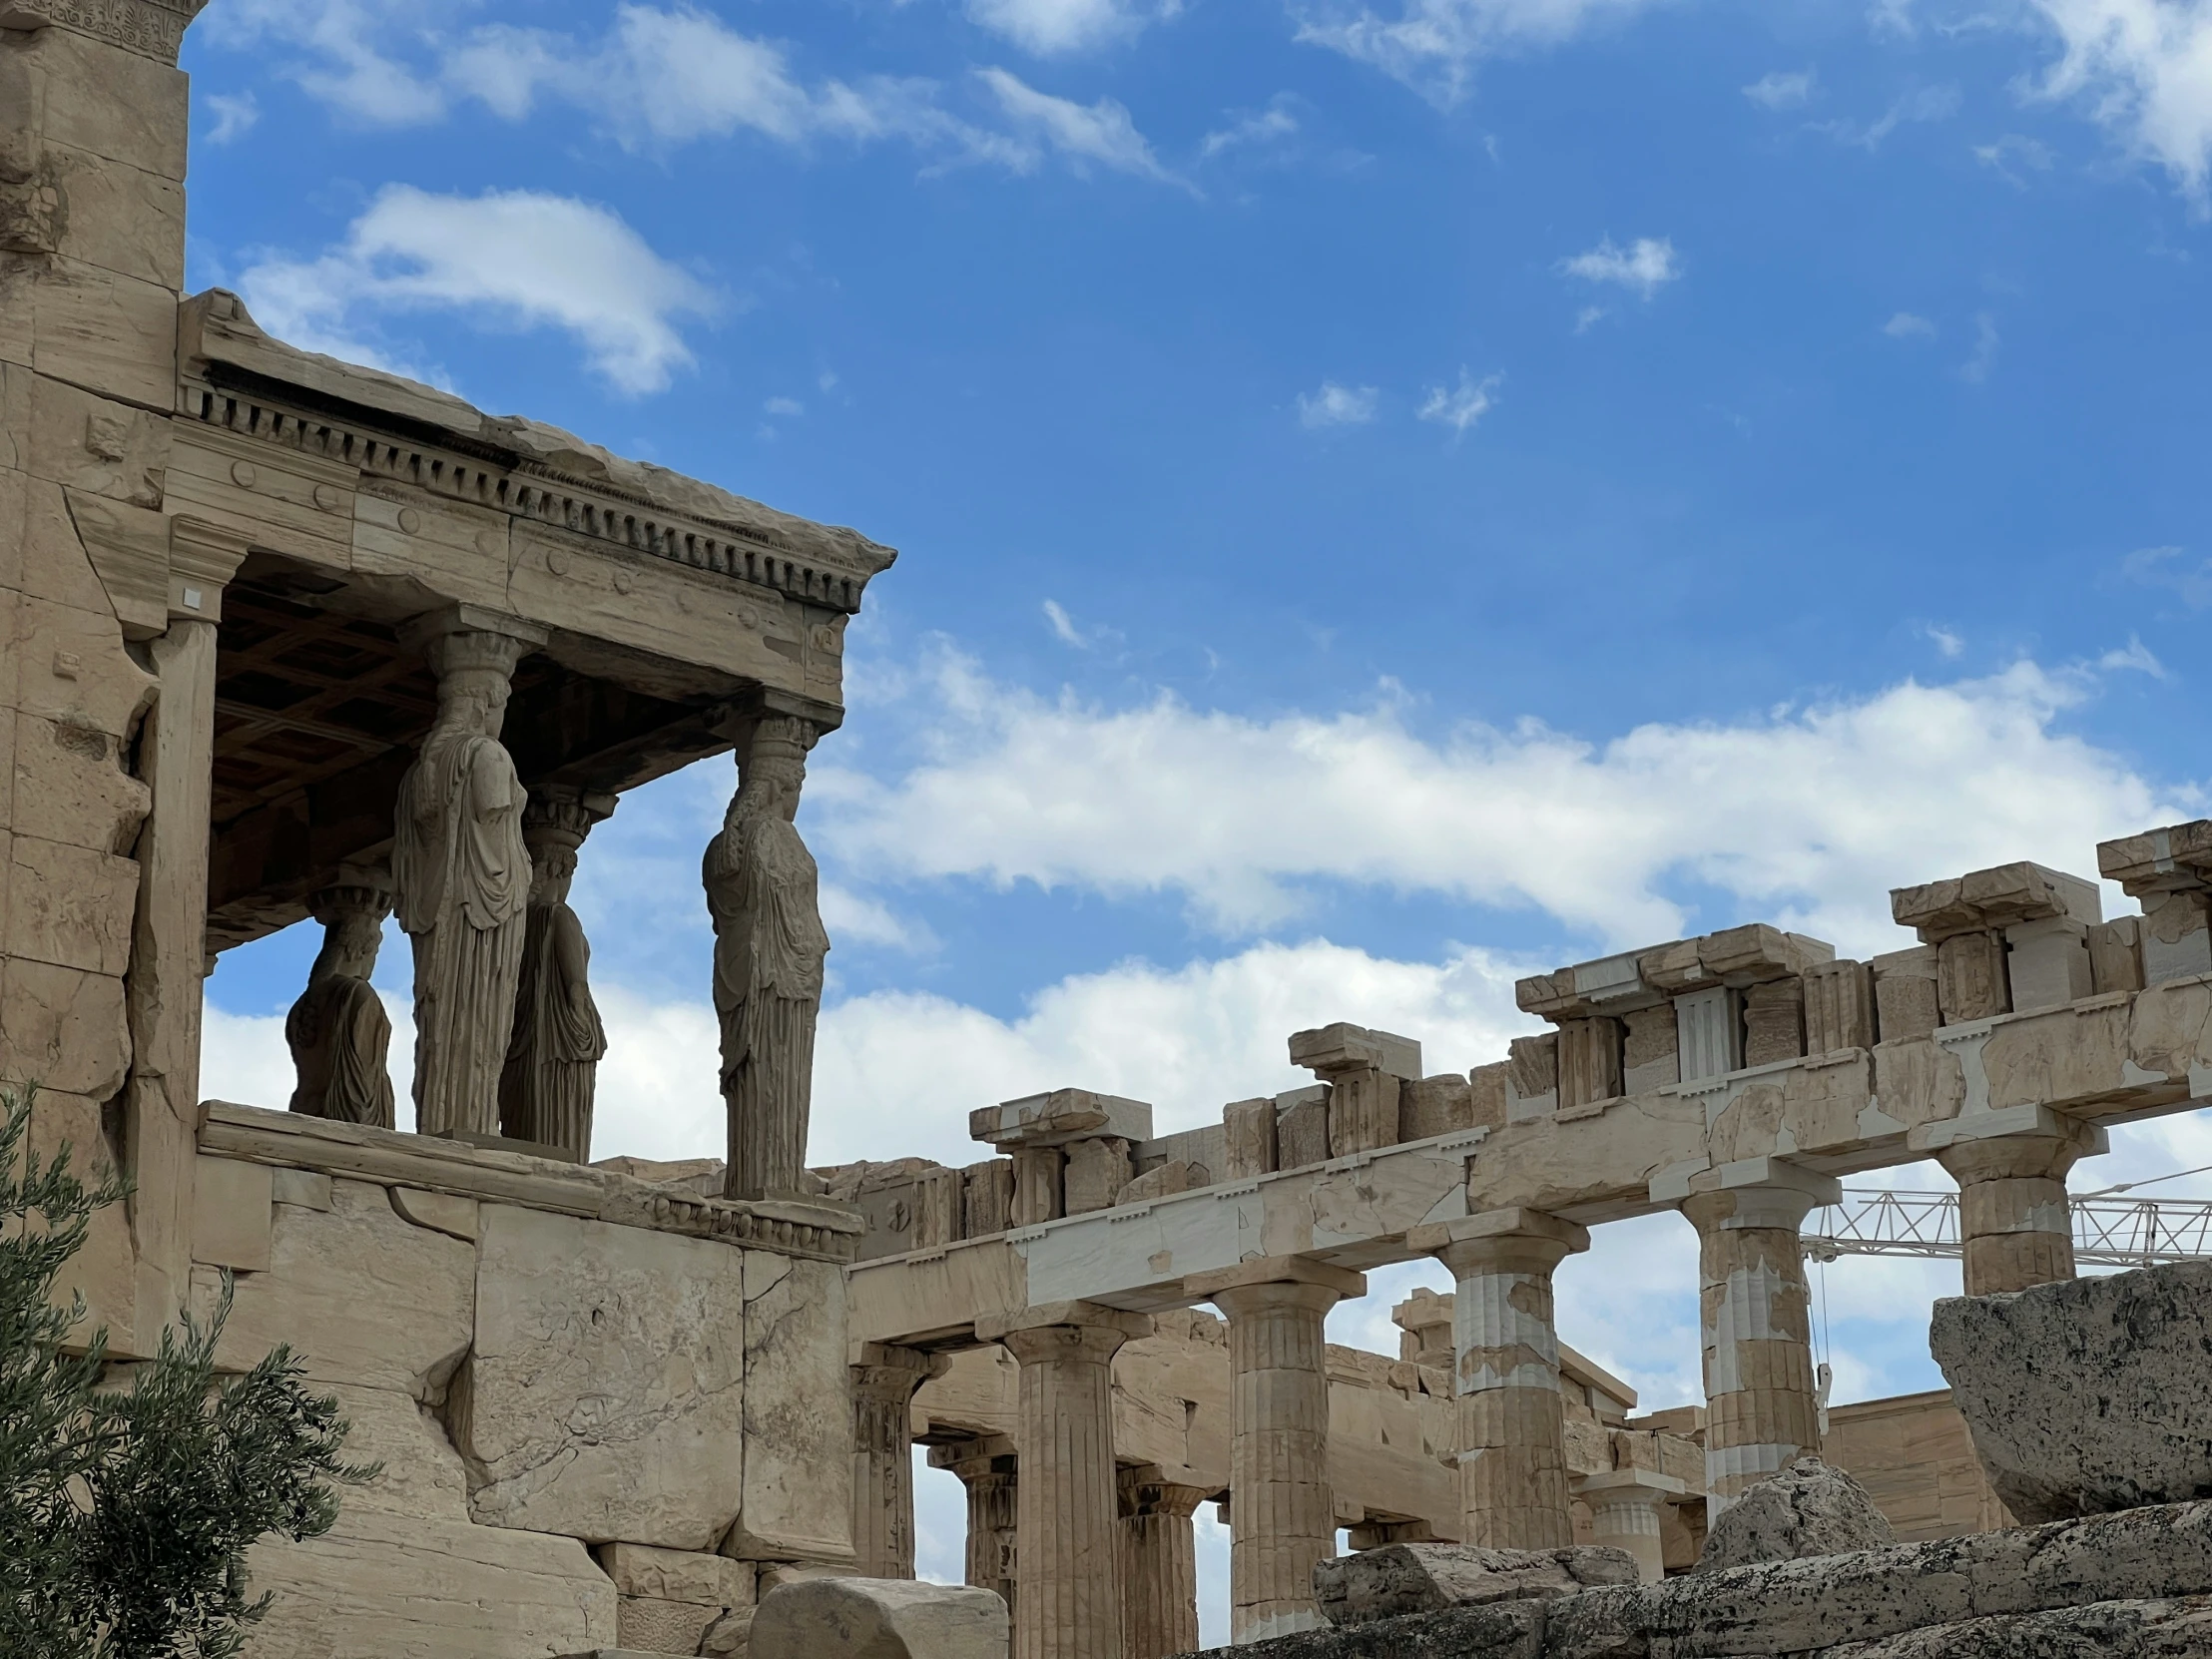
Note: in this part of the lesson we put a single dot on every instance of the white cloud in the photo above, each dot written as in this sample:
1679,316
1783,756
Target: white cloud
517,260
1908,326
1336,405
1083,133
1053,27
1589,317
1433,45
1268,126
1949,641
235,113
1805,816
1645,265
349,52
1928,103
1461,407
2143,68
2171,568
2135,657
1976,368
789,408
1775,90
2011,152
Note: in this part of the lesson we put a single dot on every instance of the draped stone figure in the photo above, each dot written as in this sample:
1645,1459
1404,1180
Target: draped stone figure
768,949
338,1032
462,875
545,1092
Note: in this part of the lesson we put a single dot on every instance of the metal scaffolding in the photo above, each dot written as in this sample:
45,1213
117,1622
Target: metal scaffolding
2108,1232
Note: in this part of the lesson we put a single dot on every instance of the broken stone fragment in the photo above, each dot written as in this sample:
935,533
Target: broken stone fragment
1810,1508
2086,1396
1398,1580
878,1618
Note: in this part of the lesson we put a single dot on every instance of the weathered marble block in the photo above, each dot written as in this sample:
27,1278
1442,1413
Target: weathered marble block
879,1618
604,1397
797,1495
1398,1580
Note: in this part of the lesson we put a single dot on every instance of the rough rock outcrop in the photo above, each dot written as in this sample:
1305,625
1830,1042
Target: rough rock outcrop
878,1618
1398,1580
1810,1508
2089,1394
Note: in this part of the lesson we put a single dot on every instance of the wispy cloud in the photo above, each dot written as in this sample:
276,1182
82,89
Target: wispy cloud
1777,90
1100,134
519,260
1051,28
1268,126
235,113
1644,266
789,408
1947,641
1460,407
1433,45
1976,368
2135,657
2010,154
2143,69
1338,405
2173,569
1928,103
1908,326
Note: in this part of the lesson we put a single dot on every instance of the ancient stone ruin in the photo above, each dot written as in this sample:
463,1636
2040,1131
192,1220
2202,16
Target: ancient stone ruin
290,639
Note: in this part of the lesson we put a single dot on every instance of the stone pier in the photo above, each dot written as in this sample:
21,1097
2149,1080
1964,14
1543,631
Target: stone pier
884,1384
1067,1514
1281,1514
1159,1563
2014,1223
1512,1425
1762,1403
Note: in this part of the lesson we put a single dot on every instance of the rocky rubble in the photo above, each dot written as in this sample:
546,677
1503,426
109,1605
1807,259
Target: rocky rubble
1810,1508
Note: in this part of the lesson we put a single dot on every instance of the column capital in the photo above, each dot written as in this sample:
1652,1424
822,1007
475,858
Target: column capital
736,719
892,1372
1631,1486
202,558
423,633
1528,1239
1287,1271
1157,1489
1767,1192
1063,1330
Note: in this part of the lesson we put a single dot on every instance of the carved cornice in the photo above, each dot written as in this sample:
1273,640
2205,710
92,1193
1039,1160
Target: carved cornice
152,28
534,495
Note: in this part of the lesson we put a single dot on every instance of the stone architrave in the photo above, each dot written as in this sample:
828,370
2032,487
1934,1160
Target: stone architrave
338,1032
1762,1403
1067,1557
1282,1512
553,1053
461,873
1511,1419
762,887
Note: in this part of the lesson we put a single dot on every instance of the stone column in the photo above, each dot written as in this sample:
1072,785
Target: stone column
550,1079
884,1384
1159,1561
1068,1603
1625,1508
460,871
2014,1223
1762,1401
991,1472
1505,1375
1281,1511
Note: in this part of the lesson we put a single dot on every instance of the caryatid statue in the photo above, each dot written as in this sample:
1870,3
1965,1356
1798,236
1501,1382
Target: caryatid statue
338,1032
545,1093
768,949
462,875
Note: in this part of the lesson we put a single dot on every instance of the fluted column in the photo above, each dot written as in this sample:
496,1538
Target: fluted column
884,1385
1281,1511
990,1471
1505,1375
1158,1562
1068,1600
1625,1512
2014,1221
1762,1403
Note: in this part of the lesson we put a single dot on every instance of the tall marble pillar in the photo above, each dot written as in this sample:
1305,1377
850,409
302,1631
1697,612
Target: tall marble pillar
550,1079
2014,1221
1282,1511
460,871
991,1472
1159,1561
883,1385
1512,1427
1068,1601
338,1032
1762,1400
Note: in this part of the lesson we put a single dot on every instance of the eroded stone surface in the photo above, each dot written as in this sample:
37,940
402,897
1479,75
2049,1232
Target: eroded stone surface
603,1398
1424,1578
2086,1396
1809,1508
878,1618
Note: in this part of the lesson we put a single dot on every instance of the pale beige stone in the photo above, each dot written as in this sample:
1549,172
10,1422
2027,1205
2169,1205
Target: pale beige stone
1036,1197
2176,936
1838,1007
2047,963
1487,1088
1096,1172
1177,1175
873,1618
883,1380
1158,1562
95,446
986,1197
421,1477
70,786
1248,1126
1400,1579
233,1215
2116,956
310,1189
1651,1055
1589,1061
1969,977
1533,1077
1809,1508
440,1212
361,1296
1991,899
603,1395
1061,1116
1301,1127
677,1575
70,907
1435,1106
61,1027
797,1494
1906,1004
110,333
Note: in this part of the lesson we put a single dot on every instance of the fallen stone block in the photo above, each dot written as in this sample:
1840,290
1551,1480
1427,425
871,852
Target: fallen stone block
878,1618
1501,1630
1809,1508
1398,1580
2088,1396
2107,1630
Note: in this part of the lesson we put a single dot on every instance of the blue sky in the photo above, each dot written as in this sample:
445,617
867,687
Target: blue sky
1389,498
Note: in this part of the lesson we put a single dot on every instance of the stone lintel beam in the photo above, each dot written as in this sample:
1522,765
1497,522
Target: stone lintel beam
1058,1116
